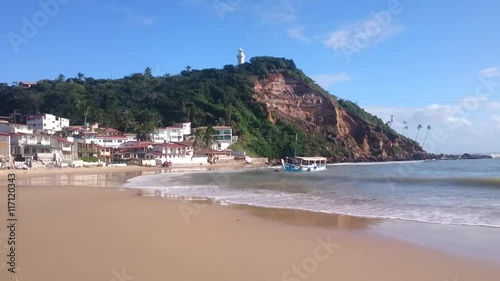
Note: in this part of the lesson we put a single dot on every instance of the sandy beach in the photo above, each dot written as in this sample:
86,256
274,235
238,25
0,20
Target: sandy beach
83,227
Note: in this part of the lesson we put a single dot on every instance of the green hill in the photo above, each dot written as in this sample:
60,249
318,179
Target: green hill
227,96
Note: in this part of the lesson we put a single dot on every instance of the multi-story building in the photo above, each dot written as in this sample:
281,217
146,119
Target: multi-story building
30,146
168,134
47,122
186,128
12,128
222,136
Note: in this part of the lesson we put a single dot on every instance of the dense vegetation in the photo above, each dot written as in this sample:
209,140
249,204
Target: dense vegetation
139,102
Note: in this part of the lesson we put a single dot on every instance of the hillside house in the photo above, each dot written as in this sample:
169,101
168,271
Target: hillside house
26,85
47,123
222,137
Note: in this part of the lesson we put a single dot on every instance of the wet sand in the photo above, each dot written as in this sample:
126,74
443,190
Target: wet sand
80,226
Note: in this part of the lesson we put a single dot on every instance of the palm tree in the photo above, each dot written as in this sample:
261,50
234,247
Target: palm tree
128,121
199,141
188,68
80,76
60,78
418,128
392,119
151,120
209,132
426,135
404,128
84,107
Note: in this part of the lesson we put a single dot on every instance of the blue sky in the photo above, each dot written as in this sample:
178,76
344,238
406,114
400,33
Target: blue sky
416,60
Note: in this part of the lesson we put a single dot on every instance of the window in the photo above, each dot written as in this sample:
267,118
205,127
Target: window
227,132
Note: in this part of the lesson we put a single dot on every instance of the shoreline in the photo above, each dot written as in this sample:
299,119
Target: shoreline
294,232
287,215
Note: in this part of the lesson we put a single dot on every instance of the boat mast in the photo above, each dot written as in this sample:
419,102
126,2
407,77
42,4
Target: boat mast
295,152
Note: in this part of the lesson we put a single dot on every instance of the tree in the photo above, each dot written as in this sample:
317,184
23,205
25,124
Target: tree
84,108
418,131
208,136
148,73
60,78
199,140
80,76
426,135
404,128
127,121
148,122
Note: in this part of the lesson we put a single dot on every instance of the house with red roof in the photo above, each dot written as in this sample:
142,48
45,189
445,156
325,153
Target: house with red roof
176,153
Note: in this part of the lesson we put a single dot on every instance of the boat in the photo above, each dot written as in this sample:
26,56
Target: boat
303,164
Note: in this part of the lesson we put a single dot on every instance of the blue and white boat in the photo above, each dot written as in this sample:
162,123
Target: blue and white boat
303,164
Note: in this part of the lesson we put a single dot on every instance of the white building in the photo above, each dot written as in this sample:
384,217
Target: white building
241,57
175,153
11,128
47,122
222,137
175,133
113,141
186,128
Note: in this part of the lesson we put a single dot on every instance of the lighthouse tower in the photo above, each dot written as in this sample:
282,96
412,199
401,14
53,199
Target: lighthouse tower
241,57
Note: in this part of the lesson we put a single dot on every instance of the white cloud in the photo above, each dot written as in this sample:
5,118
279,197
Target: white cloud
297,33
454,129
134,17
496,118
490,72
362,35
495,105
328,79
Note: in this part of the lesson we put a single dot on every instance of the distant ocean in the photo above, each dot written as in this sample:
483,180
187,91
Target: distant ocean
455,192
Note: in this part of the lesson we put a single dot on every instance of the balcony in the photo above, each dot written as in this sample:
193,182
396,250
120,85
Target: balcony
24,141
46,156
66,148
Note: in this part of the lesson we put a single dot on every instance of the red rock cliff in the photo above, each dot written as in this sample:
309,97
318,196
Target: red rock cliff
320,113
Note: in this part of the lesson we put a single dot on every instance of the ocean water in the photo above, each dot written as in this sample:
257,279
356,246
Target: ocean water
456,192
452,206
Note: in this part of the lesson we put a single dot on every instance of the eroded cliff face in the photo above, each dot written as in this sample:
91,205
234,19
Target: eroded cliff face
318,113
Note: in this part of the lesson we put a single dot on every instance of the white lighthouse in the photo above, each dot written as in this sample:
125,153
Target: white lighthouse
241,57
